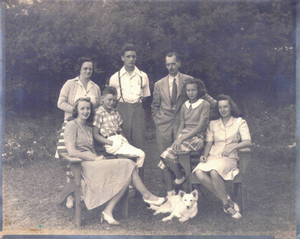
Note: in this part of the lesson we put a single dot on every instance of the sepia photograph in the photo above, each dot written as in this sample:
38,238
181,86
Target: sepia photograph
149,118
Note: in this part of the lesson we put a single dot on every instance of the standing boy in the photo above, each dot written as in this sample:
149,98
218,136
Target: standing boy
132,86
107,128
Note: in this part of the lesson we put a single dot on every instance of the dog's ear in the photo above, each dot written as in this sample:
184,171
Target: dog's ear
195,193
181,193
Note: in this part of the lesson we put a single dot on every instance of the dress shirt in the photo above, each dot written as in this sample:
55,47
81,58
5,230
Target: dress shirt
82,92
132,91
171,79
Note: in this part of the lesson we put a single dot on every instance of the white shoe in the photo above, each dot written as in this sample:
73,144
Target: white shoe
234,204
70,201
232,212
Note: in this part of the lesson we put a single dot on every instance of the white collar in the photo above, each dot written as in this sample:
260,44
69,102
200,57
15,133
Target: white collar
194,105
171,78
136,71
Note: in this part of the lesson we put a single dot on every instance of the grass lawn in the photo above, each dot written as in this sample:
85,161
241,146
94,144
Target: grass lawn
33,179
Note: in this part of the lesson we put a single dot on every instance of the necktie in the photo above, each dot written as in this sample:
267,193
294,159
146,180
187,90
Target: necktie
174,92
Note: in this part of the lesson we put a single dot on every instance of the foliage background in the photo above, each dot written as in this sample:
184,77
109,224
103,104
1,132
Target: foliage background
243,48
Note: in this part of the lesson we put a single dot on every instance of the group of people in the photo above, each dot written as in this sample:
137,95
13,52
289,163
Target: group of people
181,110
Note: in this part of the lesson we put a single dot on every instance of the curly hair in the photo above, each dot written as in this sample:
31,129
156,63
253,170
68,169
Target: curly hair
110,90
75,108
128,47
80,62
235,112
200,86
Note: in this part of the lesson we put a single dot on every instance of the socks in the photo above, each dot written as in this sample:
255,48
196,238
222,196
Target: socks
179,181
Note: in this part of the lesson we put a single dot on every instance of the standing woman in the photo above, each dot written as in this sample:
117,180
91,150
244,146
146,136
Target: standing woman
81,86
219,161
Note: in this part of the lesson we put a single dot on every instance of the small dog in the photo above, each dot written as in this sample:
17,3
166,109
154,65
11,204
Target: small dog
184,206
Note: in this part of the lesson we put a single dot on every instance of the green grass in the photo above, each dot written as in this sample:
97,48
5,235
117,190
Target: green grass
33,180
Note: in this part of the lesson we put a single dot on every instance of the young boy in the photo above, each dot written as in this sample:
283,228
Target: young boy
107,128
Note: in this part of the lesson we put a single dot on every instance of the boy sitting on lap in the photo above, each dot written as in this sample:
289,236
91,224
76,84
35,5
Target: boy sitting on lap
107,128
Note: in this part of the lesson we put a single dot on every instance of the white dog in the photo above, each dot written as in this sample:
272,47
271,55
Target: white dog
184,206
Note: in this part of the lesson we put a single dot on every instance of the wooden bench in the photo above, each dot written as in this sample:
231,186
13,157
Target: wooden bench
74,184
189,160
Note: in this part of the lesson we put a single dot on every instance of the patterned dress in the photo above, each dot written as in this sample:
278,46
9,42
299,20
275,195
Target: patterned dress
191,114
236,130
101,180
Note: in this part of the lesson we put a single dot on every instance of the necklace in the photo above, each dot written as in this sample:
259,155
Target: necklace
86,132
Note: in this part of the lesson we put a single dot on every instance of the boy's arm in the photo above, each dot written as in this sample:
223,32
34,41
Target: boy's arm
99,137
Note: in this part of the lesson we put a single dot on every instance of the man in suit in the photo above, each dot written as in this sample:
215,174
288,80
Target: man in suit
167,100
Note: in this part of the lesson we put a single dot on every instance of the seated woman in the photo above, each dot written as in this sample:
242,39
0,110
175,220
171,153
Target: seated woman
220,157
102,180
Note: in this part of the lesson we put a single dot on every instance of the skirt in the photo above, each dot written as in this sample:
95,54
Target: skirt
192,144
102,180
225,166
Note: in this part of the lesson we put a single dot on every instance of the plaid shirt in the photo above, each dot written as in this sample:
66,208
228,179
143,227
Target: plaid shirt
108,123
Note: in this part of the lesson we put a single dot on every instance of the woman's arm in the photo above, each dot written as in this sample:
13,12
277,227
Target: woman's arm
62,102
86,155
233,146
206,151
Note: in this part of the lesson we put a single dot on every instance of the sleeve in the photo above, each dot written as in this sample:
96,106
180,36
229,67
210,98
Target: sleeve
244,130
145,86
182,112
155,105
120,121
210,133
62,102
98,120
70,134
113,81
212,102
98,92
204,110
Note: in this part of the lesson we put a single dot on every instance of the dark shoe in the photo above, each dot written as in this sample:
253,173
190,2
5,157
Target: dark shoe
228,208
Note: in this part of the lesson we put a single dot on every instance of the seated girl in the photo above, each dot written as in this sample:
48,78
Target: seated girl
103,181
220,157
194,118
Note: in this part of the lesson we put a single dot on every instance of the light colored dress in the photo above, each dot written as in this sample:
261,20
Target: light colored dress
190,114
236,130
101,180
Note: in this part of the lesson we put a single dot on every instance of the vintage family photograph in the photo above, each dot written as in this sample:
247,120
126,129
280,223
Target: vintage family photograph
149,118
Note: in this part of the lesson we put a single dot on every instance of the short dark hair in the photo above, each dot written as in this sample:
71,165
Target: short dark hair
171,54
80,62
75,108
200,86
235,112
110,90
128,47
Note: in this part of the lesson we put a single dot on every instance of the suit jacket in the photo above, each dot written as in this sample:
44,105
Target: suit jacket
163,114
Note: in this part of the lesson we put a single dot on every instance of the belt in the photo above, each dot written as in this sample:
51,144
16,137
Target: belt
112,134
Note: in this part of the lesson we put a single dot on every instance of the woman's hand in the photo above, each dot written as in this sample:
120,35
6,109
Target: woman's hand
98,158
228,149
177,144
203,159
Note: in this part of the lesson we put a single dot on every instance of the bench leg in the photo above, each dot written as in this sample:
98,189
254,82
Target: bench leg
76,170
67,190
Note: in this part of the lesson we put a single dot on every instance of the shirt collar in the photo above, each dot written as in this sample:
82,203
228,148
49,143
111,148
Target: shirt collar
194,105
102,109
230,122
136,71
89,85
171,78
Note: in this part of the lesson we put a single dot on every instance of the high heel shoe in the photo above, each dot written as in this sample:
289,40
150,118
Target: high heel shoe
109,219
158,202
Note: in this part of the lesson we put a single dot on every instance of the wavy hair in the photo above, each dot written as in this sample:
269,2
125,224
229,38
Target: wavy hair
75,108
235,112
80,62
200,87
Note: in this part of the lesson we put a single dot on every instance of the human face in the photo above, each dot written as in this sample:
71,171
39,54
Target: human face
109,101
224,108
172,65
86,69
192,92
129,58
84,110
